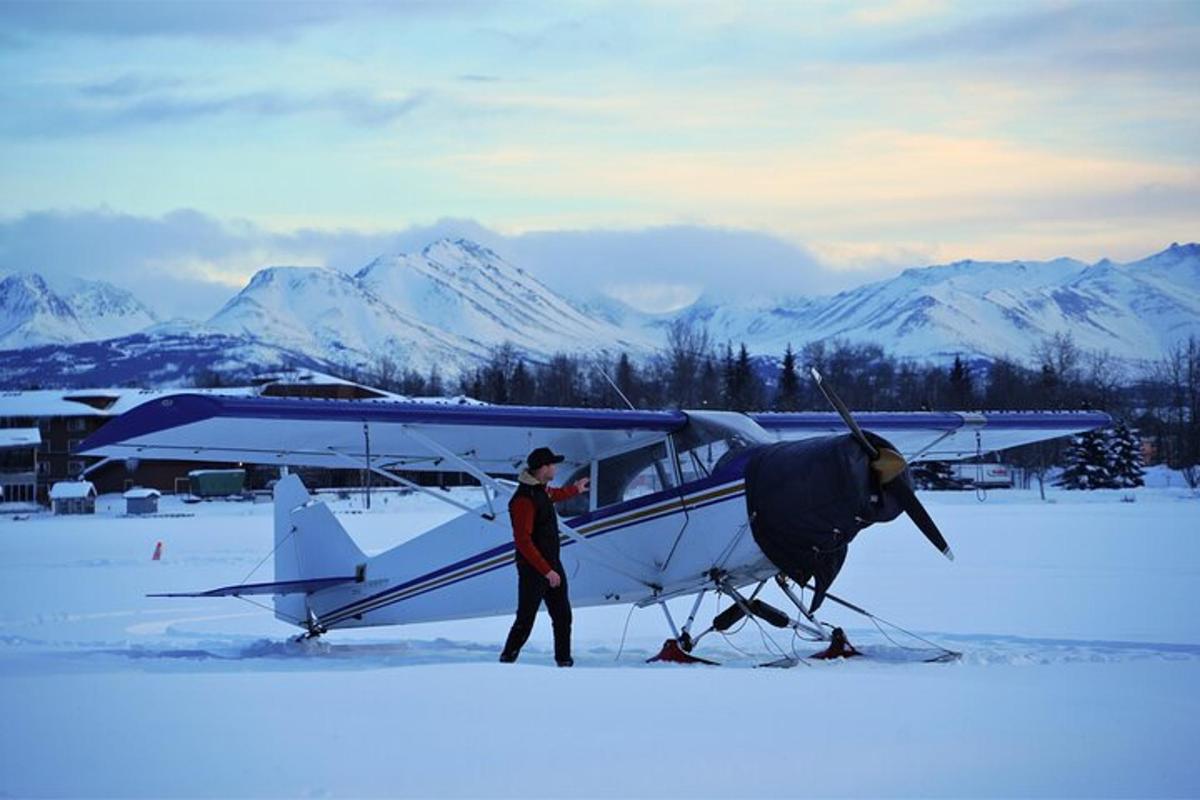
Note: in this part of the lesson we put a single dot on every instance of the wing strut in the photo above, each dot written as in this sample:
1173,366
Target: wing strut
490,516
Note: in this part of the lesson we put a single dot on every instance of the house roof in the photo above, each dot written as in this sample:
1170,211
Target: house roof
72,490
113,402
139,493
87,402
12,438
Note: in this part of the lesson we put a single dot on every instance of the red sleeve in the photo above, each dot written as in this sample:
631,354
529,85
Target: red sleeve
522,522
563,493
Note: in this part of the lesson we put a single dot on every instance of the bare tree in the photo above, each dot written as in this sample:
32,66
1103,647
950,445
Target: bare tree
688,344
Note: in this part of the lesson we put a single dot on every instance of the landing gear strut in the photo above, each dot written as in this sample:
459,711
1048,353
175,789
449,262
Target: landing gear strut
315,628
679,648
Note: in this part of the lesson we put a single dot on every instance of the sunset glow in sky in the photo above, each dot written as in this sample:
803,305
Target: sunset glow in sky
808,146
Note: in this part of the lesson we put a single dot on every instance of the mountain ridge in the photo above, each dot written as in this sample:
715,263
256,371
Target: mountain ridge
450,303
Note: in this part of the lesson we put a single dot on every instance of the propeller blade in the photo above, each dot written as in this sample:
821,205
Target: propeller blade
917,513
840,407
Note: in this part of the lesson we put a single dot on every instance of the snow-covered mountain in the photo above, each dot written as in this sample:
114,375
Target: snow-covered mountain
327,314
34,313
450,304
107,311
447,305
1136,311
457,285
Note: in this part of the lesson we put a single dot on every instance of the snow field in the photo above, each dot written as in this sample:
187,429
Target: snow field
1081,657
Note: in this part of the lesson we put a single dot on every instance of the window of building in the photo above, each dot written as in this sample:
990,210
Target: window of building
75,468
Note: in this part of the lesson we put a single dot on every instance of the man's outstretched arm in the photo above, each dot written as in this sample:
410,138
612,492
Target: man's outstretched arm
557,495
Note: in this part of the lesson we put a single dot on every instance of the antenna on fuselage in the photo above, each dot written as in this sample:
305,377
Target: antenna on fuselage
616,388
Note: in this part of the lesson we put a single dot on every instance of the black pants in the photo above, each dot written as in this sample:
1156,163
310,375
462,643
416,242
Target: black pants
532,590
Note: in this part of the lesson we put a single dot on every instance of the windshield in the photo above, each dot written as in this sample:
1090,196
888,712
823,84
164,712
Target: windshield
711,438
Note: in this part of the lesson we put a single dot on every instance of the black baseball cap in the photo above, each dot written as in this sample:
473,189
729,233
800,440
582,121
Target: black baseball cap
543,456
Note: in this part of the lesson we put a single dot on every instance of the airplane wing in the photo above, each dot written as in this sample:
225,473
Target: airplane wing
941,436
496,439
339,433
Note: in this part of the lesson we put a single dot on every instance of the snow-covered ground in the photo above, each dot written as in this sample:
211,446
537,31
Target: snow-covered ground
1076,619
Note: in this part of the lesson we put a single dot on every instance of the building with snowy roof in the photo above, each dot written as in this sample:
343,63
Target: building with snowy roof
19,464
73,497
140,500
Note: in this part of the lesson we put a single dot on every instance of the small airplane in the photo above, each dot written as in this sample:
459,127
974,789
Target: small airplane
680,503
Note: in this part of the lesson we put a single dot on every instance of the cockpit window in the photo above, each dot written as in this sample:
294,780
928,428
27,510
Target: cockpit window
633,474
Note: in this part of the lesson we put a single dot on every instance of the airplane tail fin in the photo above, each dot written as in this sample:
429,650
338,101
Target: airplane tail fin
310,545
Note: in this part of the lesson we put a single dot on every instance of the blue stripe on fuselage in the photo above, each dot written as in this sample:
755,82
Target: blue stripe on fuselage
371,603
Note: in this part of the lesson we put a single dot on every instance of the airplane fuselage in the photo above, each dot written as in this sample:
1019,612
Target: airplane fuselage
660,544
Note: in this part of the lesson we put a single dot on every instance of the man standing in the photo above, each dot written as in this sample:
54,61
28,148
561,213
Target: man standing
540,574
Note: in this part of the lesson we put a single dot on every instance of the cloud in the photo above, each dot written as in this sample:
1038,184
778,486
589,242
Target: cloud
1060,38
892,12
187,263
202,18
126,104
867,187
666,266
127,85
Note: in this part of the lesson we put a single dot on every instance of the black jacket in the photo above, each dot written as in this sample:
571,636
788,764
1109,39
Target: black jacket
545,523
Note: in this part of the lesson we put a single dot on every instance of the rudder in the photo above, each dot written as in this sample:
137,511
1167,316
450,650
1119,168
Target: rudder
309,543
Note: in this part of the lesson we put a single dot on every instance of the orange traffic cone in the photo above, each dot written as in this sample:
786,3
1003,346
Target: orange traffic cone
157,552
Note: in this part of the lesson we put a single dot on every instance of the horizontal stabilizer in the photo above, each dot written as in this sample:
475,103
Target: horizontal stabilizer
278,587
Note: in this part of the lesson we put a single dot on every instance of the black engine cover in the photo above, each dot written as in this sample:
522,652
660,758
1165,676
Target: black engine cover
807,501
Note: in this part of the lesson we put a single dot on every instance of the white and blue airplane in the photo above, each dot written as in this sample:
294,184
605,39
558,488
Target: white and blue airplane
680,503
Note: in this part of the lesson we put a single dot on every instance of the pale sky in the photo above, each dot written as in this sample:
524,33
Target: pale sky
661,148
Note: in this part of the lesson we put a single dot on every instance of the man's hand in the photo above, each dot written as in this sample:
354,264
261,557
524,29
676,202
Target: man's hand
582,484
554,579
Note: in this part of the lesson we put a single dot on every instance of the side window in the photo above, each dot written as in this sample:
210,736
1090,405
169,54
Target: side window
633,474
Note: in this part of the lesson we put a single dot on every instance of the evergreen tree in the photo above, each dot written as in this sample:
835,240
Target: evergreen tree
627,379
787,398
520,384
411,383
1125,447
710,384
434,385
960,384
729,385
748,386
1089,463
